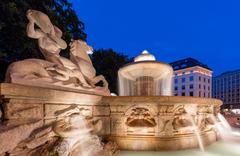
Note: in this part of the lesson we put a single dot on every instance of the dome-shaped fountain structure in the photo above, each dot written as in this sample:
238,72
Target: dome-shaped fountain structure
145,76
146,117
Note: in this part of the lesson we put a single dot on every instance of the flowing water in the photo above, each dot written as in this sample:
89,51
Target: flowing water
79,138
161,86
197,133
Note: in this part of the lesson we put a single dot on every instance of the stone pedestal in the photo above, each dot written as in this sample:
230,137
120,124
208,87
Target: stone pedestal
133,122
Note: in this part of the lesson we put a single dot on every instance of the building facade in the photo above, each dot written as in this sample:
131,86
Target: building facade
192,78
227,88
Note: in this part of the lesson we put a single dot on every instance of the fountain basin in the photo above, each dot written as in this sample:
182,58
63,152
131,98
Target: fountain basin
162,122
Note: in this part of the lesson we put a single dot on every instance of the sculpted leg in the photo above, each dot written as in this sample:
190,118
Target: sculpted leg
99,78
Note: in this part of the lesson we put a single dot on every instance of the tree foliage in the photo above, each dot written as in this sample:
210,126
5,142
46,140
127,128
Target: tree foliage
107,63
14,43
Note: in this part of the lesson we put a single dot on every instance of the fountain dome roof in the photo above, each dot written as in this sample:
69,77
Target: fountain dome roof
145,64
145,56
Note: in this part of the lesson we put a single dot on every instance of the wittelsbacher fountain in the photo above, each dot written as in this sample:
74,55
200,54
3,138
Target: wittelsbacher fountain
56,107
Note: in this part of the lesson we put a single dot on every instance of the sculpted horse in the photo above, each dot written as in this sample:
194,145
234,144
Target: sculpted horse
79,55
56,70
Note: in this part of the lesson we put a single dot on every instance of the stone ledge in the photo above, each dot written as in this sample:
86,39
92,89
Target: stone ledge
65,96
152,143
166,100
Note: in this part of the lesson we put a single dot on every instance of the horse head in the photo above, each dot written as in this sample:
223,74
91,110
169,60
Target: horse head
80,49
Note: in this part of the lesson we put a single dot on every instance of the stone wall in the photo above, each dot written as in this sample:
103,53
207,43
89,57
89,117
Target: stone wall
34,117
30,112
159,122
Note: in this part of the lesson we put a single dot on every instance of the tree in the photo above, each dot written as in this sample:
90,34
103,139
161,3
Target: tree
107,63
14,43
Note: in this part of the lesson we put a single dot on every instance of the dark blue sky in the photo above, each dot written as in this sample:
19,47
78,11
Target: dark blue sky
208,30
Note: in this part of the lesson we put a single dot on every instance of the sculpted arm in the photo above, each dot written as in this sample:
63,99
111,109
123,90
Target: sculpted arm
32,32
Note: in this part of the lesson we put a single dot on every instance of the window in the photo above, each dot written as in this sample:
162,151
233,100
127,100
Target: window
191,86
191,78
175,81
176,94
204,87
208,87
204,79
199,78
175,88
204,95
183,87
183,79
183,93
200,94
191,93
208,80
199,86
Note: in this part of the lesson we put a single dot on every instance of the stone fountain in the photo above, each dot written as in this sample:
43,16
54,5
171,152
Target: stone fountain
147,117
54,106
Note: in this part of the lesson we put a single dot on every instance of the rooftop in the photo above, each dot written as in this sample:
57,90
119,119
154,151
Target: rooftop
186,63
229,73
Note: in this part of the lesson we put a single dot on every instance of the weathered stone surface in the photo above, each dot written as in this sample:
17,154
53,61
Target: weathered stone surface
157,143
24,102
50,105
101,111
58,96
23,109
12,132
158,122
59,110
105,126
134,123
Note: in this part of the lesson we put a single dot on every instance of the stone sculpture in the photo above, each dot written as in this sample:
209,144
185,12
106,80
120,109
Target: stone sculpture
140,117
77,72
79,137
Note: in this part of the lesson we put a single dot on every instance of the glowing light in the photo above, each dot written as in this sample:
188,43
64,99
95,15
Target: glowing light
145,56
